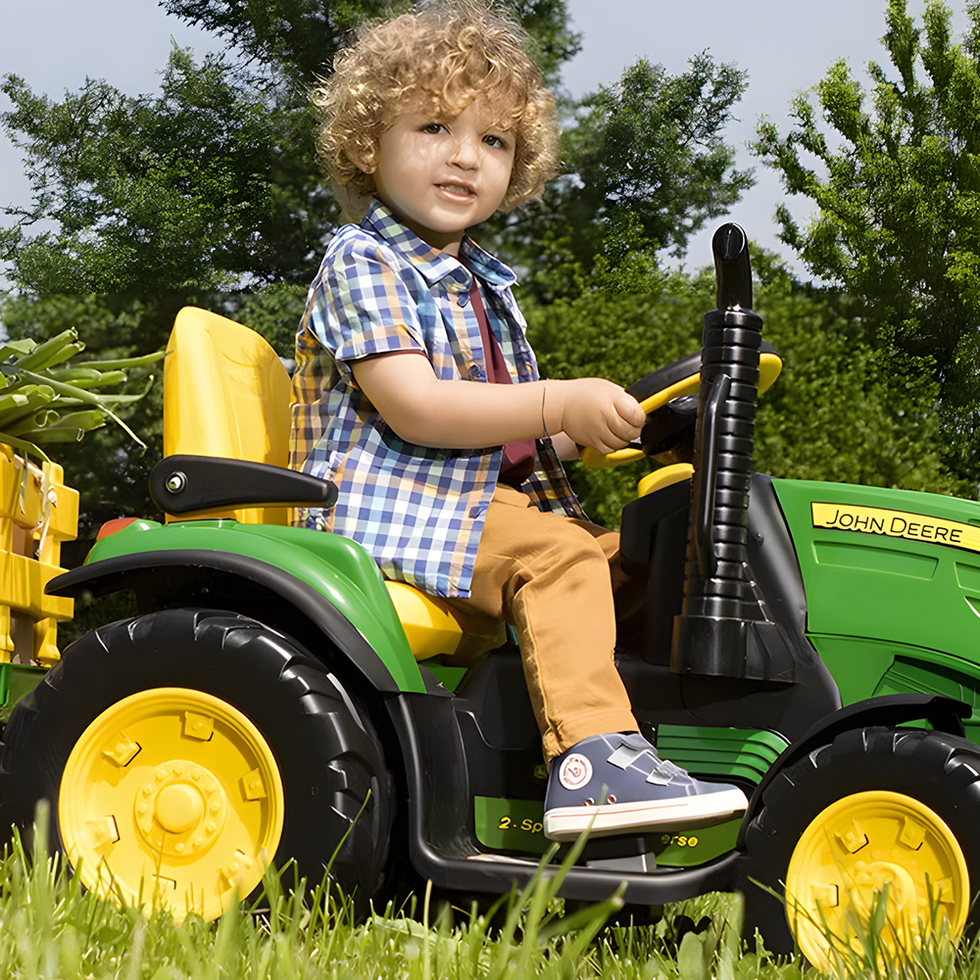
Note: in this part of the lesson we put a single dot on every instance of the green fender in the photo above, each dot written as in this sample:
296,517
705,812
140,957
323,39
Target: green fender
307,565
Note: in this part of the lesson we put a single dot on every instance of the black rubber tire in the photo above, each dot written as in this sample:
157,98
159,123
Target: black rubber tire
327,750
942,771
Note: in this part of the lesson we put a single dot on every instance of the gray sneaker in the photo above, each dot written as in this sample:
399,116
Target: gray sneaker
617,784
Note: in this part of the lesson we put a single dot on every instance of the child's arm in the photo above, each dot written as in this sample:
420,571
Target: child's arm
470,415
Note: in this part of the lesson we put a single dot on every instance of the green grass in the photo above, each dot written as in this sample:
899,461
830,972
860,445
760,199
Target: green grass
50,928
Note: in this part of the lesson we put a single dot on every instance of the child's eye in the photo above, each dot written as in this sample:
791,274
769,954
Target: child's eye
496,142
432,128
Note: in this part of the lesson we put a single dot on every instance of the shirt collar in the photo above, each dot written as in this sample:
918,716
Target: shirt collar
432,264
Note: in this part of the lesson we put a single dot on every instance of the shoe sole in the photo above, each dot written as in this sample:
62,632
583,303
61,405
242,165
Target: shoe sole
566,823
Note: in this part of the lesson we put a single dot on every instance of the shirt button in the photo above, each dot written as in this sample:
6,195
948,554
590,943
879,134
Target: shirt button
476,371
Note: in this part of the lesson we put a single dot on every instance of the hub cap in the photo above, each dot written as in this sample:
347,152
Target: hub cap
171,798
856,849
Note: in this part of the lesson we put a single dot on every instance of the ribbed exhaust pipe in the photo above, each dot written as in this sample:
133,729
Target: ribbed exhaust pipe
722,629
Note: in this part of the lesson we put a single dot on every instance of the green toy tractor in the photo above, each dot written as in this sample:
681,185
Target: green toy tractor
275,699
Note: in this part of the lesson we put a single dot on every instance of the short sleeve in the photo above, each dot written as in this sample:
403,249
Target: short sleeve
362,306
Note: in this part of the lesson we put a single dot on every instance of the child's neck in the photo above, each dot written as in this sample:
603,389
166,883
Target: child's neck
447,242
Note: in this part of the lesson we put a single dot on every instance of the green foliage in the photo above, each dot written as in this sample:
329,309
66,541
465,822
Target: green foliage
108,468
897,184
550,42
45,399
828,417
297,39
650,149
274,312
644,166
187,189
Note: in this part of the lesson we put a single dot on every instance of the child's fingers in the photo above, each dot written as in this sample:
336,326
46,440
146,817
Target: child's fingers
629,410
619,431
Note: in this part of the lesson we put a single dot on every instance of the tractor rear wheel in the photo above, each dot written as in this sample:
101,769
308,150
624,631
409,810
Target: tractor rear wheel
880,819
183,751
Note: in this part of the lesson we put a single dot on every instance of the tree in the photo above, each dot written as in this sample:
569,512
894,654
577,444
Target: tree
650,149
189,189
295,40
897,184
645,165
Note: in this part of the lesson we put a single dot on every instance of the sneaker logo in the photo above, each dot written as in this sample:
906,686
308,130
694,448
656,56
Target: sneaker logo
575,772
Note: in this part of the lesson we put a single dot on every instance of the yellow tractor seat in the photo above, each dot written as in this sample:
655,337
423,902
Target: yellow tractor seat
227,394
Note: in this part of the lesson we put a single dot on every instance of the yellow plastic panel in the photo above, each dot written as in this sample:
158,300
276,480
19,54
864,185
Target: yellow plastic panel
37,513
666,476
225,393
433,628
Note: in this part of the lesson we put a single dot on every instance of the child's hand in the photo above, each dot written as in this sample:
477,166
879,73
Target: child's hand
596,413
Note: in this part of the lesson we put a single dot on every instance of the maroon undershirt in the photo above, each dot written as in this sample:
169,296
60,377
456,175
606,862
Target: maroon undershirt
518,460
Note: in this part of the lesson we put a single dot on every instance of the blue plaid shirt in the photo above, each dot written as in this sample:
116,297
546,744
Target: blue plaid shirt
418,511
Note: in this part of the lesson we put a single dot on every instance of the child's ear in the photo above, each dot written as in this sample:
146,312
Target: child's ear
365,159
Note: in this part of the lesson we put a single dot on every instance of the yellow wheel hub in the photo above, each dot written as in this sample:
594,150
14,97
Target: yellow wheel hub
871,848
171,798
182,810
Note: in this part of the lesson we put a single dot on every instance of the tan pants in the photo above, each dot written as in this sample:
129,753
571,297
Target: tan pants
553,579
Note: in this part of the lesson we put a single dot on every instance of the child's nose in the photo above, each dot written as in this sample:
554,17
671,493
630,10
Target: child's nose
465,153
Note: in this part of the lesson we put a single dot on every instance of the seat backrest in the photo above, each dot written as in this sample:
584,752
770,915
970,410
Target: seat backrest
225,393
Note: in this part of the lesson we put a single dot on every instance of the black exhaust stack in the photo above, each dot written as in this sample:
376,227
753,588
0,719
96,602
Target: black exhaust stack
722,630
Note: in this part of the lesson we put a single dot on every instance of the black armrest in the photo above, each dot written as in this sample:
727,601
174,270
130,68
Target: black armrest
180,484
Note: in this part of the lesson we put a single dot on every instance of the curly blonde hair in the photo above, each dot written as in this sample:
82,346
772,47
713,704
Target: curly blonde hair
446,53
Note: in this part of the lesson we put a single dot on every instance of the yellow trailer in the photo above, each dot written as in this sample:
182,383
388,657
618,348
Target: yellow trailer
37,513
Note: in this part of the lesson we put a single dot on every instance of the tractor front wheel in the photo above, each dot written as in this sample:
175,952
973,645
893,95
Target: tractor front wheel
873,831
183,751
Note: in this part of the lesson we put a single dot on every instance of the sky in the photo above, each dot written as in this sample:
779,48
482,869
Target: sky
784,45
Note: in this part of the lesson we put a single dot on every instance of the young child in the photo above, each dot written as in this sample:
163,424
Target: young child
417,393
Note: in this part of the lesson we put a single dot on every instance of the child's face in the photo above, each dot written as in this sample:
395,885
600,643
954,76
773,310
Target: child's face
441,174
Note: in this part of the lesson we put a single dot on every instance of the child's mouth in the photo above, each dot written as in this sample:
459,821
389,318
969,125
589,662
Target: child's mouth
457,190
